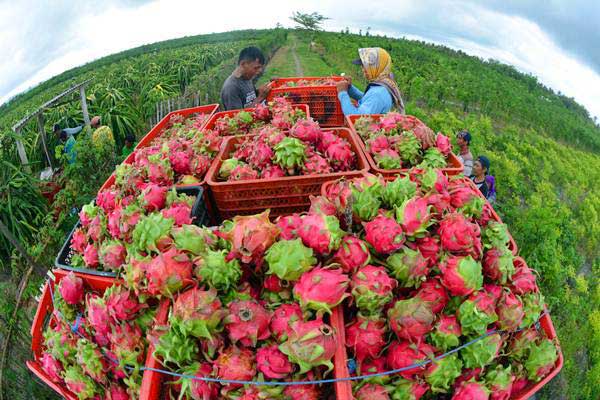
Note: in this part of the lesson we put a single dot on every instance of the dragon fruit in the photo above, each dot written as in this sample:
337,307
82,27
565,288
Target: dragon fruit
533,305
446,333
471,390
198,313
327,139
121,304
97,228
227,166
283,318
442,142
128,219
397,192
541,360
214,269
196,389
482,352
242,173
366,202
373,366
152,233
310,344
180,213
288,226
235,364
127,344
414,216
402,354
340,155
441,373
52,367
153,197
409,147
477,312
302,392
159,170
172,346
384,234
91,360
340,194
495,234
272,362
321,205
261,155
372,391
433,293
112,254
321,289
377,144
523,280
90,256
306,130
498,265
71,289
290,153
112,224
98,318
409,390
518,348
180,162
461,275
458,235
321,233
408,266
352,254
168,272
79,241
261,112
87,214
499,380
79,383
388,159
411,319
247,322
272,172
289,259
250,237
429,247
510,311
372,289
433,158
190,238
366,337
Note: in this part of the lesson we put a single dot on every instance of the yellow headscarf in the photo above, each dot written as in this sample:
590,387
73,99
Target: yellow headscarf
377,64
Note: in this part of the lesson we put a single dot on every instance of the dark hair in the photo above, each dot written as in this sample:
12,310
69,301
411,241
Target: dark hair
129,138
251,54
465,135
63,135
485,162
56,128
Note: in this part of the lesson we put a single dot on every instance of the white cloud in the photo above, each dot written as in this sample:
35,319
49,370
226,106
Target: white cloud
113,27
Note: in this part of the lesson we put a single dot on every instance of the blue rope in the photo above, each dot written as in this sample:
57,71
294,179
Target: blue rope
75,329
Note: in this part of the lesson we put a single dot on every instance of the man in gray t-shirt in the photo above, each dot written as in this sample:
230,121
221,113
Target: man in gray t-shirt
238,90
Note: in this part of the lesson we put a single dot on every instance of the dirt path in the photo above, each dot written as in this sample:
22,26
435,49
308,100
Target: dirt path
299,70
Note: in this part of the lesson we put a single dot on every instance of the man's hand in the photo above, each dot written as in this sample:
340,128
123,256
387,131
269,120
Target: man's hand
342,86
264,90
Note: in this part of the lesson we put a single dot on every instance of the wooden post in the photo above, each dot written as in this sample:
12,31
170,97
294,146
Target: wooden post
21,150
84,109
40,118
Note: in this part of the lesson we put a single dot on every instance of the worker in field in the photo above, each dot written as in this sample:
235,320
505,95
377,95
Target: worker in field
382,93
463,139
129,145
101,134
238,90
69,131
69,146
481,168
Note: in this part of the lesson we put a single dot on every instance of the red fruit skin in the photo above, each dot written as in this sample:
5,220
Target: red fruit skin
518,385
451,278
458,235
71,289
180,162
352,254
471,391
90,256
430,249
272,171
448,324
461,195
442,142
366,337
493,290
235,364
315,233
154,197
384,234
288,226
411,319
51,367
378,144
98,318
79,241
273,284
321,205
402,354
434,293
320,285
302,392
373,366
467,375
372,392
106,200
523,280
180,213
416,215
122,304
510,312
116,392
247,322
273,363
168,272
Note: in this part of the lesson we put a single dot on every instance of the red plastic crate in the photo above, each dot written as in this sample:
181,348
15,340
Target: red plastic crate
282,195
157,130
322,100
42,316
210,124
454,167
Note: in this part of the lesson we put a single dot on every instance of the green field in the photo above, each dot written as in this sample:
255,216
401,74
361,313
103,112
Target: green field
544,149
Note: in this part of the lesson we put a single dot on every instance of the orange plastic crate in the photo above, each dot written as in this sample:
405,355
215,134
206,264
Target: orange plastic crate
282,195
454,166
210,124
322,100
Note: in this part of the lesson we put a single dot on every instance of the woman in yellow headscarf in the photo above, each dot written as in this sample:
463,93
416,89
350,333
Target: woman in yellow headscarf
382,92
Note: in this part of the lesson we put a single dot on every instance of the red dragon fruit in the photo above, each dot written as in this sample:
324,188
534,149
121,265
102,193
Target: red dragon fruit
442,142
153,197
409,390
414,216
283,318
366,337
90,256
242,173
159,170
433,293
315,165
127,344
112,254
327,139
310,344
306,130
388,159
523,280
519,385
409,267
79,383
168,272
378,143
261,155
533,305
272,172
79,241
402,354
493,290
411,319
302,392
235,364
87,214
247,322
471,390
477,312
461,275
113,223
340,155
372,289
261,112
442,373
180,162
510,311
122,305
482,352
321,289
272,362
96,228
372,391
499,380
128,219
98,317
198,313
460,236
107,200
372,366
91,360
446,333
384,234
52,367
289,259
116,392
321,233
352,254
541,360
340,194
320,205
429,247
179,212
498,265
196,389
71,289
288,226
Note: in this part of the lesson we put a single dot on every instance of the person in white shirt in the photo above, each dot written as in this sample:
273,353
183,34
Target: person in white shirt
463,139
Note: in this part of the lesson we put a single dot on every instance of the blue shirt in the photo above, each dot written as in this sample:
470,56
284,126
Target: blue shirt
73,131
69,150
377,100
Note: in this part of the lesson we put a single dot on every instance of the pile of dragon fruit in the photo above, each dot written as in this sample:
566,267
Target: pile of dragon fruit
308,82
397,141
426,270
96,343
304,149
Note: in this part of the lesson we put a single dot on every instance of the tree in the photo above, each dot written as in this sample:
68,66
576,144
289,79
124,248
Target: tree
311,21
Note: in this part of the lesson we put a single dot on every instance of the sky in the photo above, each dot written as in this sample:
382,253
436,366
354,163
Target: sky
557,41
